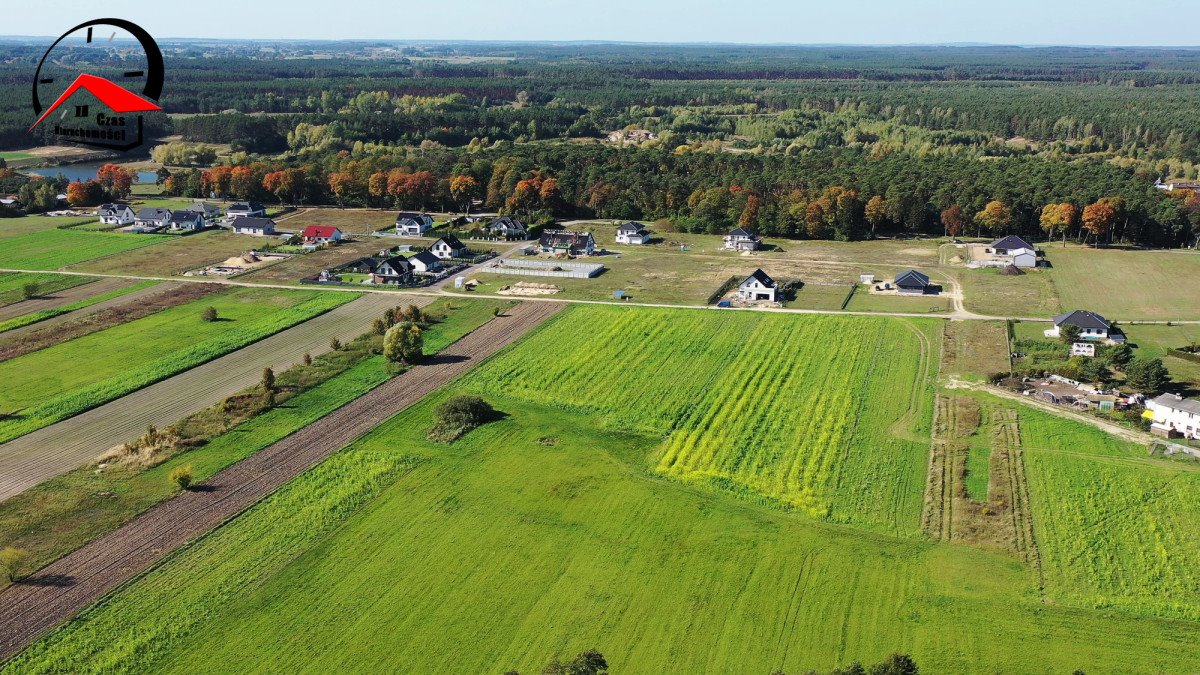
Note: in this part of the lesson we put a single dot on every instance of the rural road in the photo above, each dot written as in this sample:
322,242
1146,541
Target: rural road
63,588
60,298
58,448
118,301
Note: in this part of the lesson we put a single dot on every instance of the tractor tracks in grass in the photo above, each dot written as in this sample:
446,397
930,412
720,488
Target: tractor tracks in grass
68,585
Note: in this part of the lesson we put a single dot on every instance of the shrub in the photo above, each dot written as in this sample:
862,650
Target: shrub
307,359
1068,334
335,344
209,314
11,561
182,476
590,662
29,291
403,343
457,416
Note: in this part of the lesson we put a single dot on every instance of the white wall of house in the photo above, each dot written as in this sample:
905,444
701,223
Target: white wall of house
1180,421
632,238
753,290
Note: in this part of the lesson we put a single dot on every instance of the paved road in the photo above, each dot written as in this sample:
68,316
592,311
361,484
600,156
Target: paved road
73,442
60,298
68,585
118,301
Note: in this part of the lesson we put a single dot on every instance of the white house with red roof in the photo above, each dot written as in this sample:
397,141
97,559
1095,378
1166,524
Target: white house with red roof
321,234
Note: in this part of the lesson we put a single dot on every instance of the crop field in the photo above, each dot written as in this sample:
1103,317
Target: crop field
48,385
44,314
15,227
792,427
173,255
582,551
12,284
1116,529
1124,285
52,249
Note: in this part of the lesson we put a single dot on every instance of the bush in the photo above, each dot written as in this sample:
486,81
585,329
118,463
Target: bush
11,561
182,476
457,416
29,291
403,343
209,314
335,344
590,662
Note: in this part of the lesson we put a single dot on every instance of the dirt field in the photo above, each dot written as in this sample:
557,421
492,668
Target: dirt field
297,267
175,256
35,457
65,587
60,298
129,299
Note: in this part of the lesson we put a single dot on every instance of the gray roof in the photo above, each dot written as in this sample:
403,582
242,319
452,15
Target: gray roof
425,257
253,223
1011,242
743,232
111,209
152,213
406,216
204,207
1083,319
631,227
248,207
762,278
507,222
912,278
184,216
1189,405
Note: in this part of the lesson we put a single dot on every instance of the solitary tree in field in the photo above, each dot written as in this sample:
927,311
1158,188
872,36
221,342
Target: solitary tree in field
591,662
270,389
307,359
11,561
335,344
209,314
182,476
29,291
403,343
896,664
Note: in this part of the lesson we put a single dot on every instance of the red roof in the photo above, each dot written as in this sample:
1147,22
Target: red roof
117,98
319,231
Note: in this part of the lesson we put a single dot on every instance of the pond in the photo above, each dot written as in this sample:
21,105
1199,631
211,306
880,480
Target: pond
83,172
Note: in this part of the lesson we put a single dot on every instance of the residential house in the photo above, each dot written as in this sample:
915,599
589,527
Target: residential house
508,228
913,282
1172,415
152,218
187,221
246,210
209,212
448,247
570,243
321,234
757,287
742,239
1176,185
1091,326
413,224
361,266
394,270
259,227
1013,250
116,214
633,233
425,262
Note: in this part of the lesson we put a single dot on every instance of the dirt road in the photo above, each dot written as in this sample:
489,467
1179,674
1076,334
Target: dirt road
68,585
60,298
58,448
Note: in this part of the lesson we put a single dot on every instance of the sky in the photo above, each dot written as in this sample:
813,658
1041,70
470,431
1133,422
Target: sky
1019,22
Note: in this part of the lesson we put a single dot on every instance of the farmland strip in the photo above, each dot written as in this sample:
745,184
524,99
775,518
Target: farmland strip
49,299
68,585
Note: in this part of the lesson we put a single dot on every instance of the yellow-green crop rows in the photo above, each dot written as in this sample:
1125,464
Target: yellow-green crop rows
828,415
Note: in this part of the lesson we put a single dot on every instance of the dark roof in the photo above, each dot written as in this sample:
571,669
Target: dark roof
415,217
631,227
425,257
246,206
1083,319
367,263
253,223
110,209
396,262
452,241
1190,405
153,213
1011,242
554,238
184,216
762,278
507,221
912,278
204,207
743,232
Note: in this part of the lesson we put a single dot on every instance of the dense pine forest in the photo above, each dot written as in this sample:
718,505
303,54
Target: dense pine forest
830,142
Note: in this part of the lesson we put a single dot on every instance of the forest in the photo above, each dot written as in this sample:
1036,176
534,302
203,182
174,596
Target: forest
841,142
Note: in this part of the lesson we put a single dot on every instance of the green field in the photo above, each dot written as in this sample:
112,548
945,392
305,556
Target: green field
34,317
53,248
789,426
15,227
13,283
50,385
1124,285
987,292
1154,341
508,548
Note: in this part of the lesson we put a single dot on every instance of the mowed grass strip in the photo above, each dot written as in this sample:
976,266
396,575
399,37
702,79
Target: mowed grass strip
1115,528
35,317
1124,285
52,384
12,285
829,415
539,535
52,249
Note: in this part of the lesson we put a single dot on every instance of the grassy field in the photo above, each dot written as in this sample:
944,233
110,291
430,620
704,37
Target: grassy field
790,426
49,385
987,292
63,513
35,317
1153,341
1125,285
1115,528
13,283
974,350
53,249
15,227
174,255
865,301
506,549
350,221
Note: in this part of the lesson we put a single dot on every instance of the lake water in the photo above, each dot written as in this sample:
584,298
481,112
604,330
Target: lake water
84,172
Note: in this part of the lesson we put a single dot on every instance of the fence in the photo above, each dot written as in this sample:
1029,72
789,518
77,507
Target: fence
722,290
546,268
850,295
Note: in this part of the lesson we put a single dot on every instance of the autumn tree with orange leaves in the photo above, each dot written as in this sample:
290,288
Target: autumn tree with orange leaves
116,180
464,189
1099,217
953,220
1059,217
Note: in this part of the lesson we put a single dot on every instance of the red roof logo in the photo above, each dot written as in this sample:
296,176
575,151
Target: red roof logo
117,98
